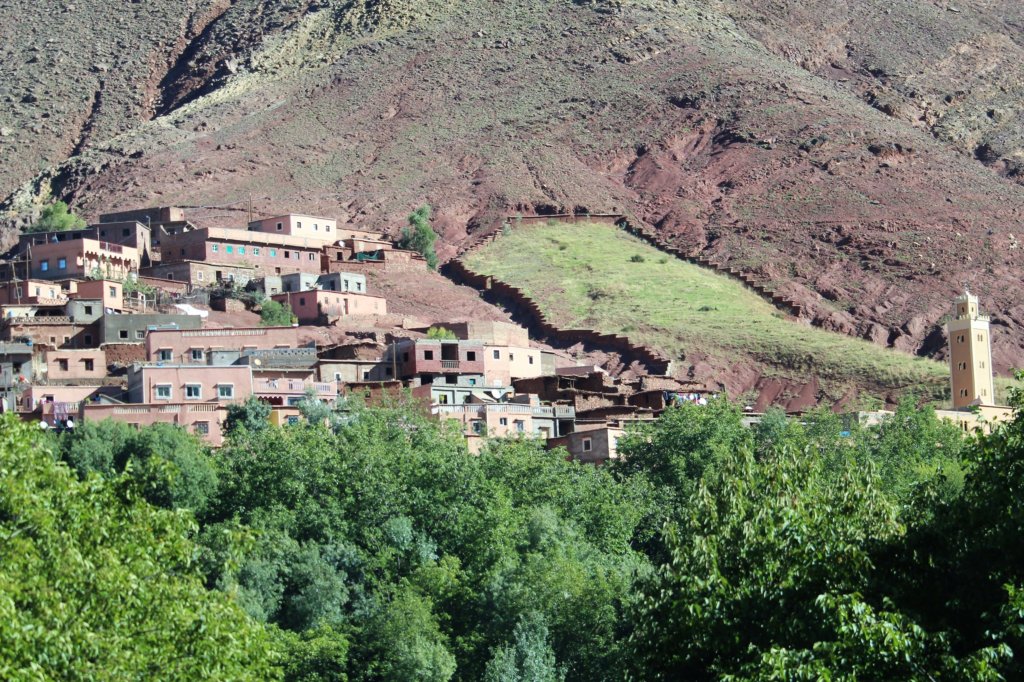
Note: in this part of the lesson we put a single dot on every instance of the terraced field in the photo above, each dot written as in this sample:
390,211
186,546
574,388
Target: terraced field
599,277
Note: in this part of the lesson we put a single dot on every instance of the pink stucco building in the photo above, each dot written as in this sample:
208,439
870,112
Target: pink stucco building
189,383
206,420
321,305
68,364
194,346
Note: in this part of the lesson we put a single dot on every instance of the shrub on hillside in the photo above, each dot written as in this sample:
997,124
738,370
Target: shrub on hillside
419,236
56,218
275,314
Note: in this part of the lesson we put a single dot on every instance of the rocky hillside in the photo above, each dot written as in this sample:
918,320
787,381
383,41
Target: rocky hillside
864,157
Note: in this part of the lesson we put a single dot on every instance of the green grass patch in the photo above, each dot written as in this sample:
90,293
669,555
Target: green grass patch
589,276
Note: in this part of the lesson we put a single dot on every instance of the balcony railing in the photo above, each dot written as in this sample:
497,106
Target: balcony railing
294,386
449,364
478,408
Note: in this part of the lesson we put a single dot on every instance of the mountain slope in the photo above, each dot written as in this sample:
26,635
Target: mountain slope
784,143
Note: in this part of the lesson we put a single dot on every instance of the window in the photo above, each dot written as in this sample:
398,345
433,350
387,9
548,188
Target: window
193,391
273,253
45,265
981,364
163,391
293,420
442,399
478,427
302,300
497,355
139,334
337,376
164,355
39,290
197,355
89,365
316,228
113,292
63,364
229,249
511,357
588,444
122,334
503,421
298,225
471,355
203,428
962,365
226,391
327,228
88,309
428,355
287,253
359,286
312,256
62,263
280,227
88,339
531,359
241,250
66,339
183,252
255,250
981,337
520,425
199,276
963,392
294,400
125,232
472,382
984,391
960,339
215,248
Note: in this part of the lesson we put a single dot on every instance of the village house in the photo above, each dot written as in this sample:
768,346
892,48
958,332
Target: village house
82,258
318,306
289,392
193,346
419,360
187,383
296,225
591,444
134,327
268,254
88,364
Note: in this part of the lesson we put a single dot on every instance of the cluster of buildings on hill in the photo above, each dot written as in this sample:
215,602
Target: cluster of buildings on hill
82,336
99,323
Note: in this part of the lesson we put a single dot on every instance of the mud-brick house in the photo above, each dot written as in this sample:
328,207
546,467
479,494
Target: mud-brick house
82,258
89,364
320,306
218,252
316,228
420,360
194,346
594,444
189,383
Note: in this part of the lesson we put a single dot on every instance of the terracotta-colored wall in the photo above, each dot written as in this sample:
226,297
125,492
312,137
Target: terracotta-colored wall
76,362
308,306
81,256
110,292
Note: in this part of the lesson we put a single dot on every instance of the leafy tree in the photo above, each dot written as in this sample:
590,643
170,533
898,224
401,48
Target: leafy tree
276,314
408,641
441,333
252,415
96,584
171,467
56,218
528,658
419,236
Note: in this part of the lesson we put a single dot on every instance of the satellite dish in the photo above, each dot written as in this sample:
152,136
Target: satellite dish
257,362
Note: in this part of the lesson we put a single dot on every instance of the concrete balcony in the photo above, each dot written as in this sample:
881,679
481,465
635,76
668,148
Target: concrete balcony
449,364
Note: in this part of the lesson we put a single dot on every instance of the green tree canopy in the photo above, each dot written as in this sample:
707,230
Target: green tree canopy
419,236
56,218
97,584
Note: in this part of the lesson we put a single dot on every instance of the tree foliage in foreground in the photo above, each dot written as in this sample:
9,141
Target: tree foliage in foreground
371,545
97,584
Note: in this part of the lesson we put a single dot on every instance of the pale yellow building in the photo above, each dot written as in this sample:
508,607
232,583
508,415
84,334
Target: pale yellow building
970,354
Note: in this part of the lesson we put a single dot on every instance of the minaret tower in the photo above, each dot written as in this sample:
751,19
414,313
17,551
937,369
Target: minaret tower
970,353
